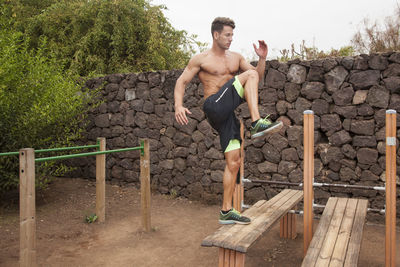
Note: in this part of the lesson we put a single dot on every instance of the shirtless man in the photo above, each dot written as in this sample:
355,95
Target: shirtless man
224,91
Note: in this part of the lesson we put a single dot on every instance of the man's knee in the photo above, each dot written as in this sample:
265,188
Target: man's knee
247,76
233,164
252,74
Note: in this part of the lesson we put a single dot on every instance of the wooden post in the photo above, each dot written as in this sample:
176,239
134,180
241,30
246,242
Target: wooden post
221,257
238,191
242,156
27,206
230,258
240,257
145,185
293,229
101,181
308,176
390,220
288,226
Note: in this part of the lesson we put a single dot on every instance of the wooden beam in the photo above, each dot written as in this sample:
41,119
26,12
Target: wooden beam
27,207
390,220
145,186
308,176
101,181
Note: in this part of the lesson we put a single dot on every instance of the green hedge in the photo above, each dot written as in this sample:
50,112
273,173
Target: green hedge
40,106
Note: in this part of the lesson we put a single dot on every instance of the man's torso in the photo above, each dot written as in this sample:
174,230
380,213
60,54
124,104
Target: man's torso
215,71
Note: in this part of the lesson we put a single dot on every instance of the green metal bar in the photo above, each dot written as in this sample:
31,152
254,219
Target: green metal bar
53,149
65,148
9,154
88,154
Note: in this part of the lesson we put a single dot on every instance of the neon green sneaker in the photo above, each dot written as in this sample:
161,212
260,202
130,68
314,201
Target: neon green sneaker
265,126
232,217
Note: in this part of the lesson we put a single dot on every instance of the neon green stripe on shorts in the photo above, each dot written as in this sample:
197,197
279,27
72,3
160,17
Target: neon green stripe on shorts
233,144
238,86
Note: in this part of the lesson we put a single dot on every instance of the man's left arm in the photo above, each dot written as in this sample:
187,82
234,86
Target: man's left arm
262,52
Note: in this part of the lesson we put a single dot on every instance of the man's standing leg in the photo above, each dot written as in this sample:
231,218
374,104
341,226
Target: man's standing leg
232,159
228,215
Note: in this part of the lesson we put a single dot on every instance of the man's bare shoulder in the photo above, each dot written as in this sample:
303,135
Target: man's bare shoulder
236,55
199,58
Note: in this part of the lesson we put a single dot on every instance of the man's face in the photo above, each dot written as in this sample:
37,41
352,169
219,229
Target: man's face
224,39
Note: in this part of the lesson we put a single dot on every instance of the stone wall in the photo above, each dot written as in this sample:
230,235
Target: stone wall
348,95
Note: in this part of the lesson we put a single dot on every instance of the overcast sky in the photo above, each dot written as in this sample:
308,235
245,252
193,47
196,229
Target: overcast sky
325,24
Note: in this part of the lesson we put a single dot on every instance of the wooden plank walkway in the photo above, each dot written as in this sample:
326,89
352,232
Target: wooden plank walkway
263,215
337,240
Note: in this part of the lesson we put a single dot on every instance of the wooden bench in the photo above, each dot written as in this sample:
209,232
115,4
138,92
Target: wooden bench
234,240
337,240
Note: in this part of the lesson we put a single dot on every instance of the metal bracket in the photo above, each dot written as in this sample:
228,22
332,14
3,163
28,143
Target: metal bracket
98,144
142,147
391,141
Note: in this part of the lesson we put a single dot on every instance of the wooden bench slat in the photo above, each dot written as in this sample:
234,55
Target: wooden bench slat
224,231
267,219
237,232
319,235
244,230
337,240
353,249
263,214
325,254
339,252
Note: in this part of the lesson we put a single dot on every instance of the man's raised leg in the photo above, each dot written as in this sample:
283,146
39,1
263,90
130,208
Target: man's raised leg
259,127
249,80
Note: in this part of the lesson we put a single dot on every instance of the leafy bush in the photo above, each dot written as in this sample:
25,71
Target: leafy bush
39,105
103,37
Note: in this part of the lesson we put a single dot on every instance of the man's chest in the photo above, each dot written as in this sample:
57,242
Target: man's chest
220,66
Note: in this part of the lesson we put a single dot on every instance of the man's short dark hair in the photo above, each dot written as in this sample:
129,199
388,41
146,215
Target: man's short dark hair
219,23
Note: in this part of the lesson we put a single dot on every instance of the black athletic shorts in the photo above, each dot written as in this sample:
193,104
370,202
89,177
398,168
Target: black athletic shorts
219,109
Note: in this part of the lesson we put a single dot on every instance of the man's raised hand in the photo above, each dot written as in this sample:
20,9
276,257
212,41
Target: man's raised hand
180,115
262,51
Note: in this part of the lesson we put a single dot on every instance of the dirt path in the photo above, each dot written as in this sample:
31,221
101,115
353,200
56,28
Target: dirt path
179,225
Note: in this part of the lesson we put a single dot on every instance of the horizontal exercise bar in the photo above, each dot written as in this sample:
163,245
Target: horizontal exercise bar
89,154
66,148
382,211
52,149
272,182
378,188
244,206
9,154
300,212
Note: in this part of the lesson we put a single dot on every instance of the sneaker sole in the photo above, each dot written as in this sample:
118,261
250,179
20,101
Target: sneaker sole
232,222
271,130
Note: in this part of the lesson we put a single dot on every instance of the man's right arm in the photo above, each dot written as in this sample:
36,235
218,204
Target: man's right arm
188,73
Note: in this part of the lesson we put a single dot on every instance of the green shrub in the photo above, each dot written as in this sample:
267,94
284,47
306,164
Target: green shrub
103,37
40,106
